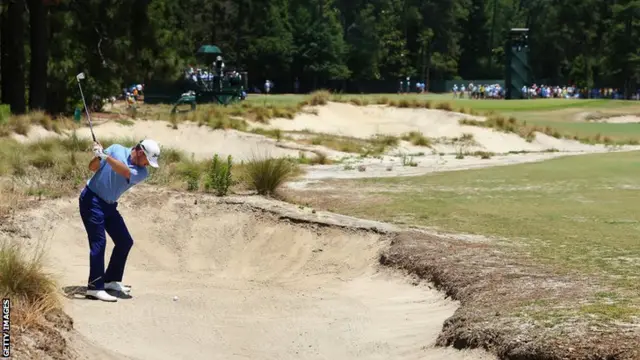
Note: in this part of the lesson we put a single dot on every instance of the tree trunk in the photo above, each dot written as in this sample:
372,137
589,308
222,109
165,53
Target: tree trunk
15,57
4,51
39,54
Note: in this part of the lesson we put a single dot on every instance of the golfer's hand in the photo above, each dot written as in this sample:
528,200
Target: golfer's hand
98,151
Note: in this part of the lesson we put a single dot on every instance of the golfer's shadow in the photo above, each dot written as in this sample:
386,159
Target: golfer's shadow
78,293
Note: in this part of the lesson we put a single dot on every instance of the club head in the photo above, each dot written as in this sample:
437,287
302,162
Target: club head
80,76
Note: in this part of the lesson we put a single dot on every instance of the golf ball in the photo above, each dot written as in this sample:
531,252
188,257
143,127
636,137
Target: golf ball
175,298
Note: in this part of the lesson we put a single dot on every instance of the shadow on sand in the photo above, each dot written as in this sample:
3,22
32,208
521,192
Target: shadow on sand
78,293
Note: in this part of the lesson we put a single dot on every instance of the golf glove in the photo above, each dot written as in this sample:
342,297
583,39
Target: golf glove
99,152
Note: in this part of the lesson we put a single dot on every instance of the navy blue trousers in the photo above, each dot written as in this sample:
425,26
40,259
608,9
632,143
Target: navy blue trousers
98,217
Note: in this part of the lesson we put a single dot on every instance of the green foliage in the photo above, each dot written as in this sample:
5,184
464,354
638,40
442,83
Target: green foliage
190,172
120,43
219,177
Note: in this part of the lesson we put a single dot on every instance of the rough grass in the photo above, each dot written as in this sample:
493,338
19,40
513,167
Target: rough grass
374,145
23,279
320,158
58,167
21,124
550,258
416,138
528,131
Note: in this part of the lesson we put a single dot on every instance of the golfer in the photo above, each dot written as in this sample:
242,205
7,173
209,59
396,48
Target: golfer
117,169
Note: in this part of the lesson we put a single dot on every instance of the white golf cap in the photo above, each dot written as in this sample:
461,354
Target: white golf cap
151,150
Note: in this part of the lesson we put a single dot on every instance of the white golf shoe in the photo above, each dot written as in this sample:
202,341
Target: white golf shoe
101,295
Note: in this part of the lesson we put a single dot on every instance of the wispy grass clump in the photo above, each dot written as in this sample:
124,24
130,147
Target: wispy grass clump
265,175
33,292
416,138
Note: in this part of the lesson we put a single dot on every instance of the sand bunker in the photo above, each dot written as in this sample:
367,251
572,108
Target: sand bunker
248,286
623,119
366,121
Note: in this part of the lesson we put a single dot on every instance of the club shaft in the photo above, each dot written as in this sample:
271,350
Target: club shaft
86,109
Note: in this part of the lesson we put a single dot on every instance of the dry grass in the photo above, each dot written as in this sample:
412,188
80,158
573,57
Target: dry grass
21,124
272,133
340,143
374,145
320,97
8,201
235,116
416,138
320,158
528,132
32,290
58,167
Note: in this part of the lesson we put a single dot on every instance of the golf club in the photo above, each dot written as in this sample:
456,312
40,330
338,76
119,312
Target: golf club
78,78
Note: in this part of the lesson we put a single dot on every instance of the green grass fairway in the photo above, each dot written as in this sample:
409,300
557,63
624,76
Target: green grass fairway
577,210
480,105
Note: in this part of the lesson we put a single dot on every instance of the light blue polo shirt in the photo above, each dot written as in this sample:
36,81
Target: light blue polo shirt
108,184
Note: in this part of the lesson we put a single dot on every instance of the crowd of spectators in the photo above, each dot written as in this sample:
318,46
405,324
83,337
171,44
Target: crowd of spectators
482,91
496,91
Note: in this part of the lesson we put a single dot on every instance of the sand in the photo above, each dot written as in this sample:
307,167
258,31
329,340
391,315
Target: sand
622,119
366,121
200,141
248,286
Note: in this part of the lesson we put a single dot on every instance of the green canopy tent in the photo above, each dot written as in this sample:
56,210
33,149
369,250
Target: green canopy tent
208,53
209,49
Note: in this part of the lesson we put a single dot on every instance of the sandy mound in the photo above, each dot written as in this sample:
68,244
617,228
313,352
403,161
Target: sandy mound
366,121
621,115
248,286
201,141
623,119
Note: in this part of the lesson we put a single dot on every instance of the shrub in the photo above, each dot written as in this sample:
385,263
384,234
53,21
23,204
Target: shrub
219,176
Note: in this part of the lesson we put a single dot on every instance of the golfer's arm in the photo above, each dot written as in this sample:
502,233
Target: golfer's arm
94,165
119,167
